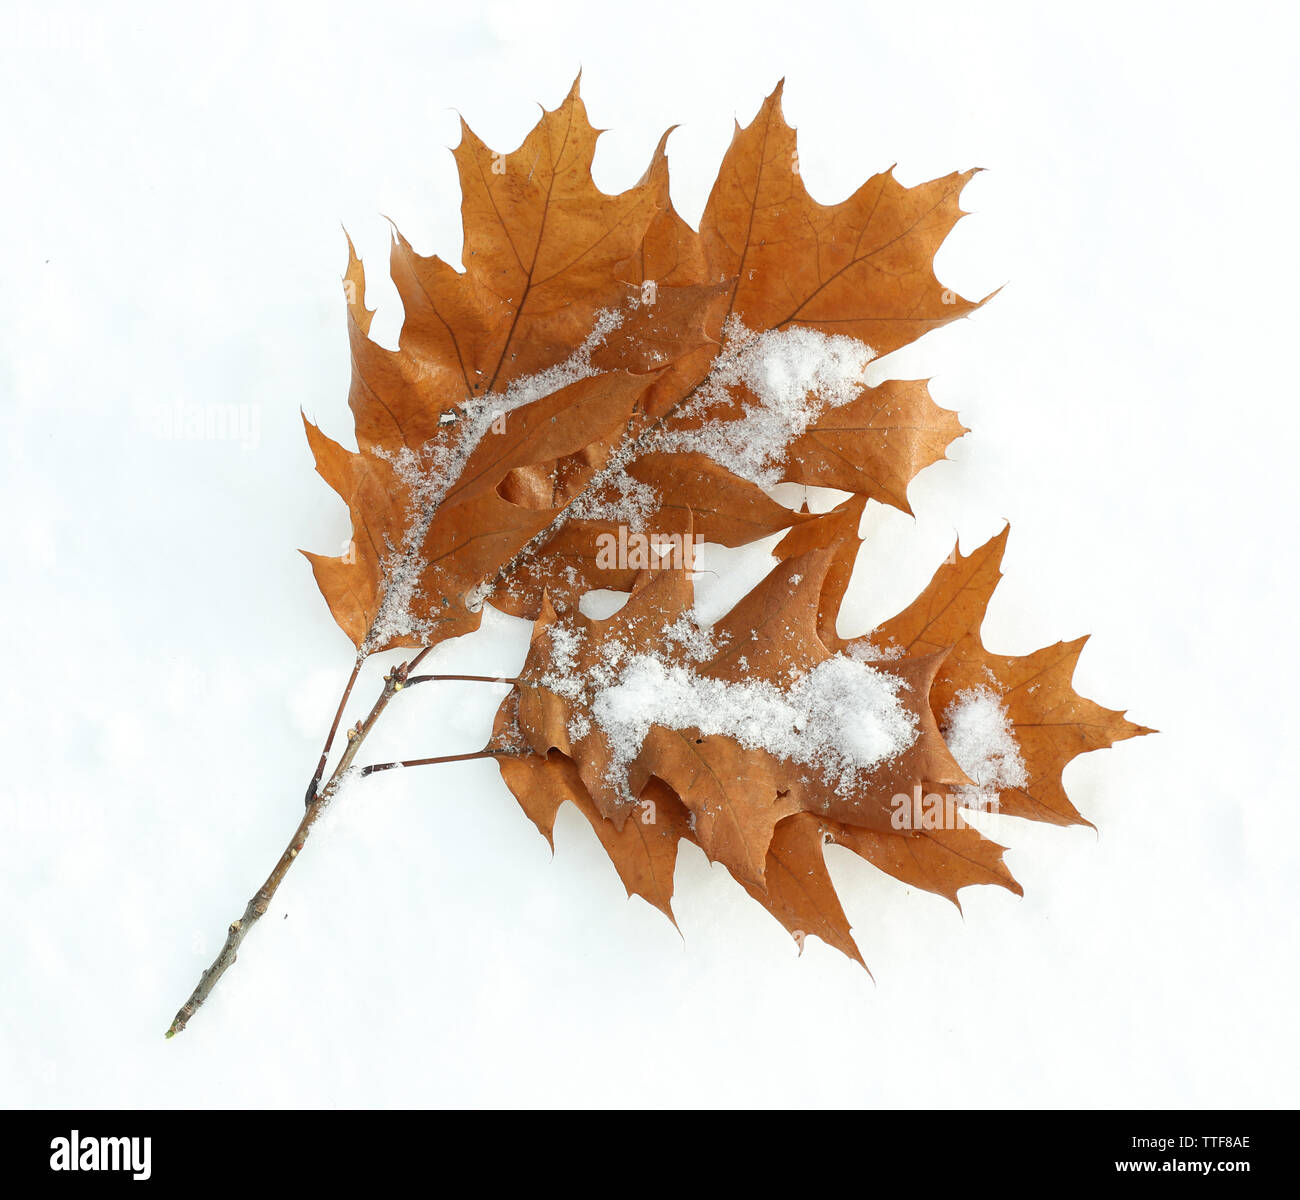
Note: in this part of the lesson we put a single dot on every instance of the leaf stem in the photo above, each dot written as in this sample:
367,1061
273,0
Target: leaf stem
428,762
314,785
414,679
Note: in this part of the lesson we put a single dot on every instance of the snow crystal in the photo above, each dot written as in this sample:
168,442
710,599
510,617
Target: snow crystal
628,501
866,651
562,678
794,375
579,726
979,732
694,637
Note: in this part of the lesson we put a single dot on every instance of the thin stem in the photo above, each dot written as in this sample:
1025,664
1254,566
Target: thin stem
314,785
418,659
261,901
414,679
429,762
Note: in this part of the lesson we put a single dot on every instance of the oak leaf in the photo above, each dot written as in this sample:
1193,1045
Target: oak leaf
785,625
594,367
1052,722
736,788
863,267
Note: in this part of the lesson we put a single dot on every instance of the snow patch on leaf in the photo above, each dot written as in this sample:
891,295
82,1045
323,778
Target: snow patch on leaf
842,717
632,502
793,375
980,734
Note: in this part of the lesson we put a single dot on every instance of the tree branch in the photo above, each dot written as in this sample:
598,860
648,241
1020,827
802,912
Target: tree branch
261,900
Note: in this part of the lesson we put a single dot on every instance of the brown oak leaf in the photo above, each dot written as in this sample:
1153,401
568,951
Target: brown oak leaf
736,792
863,267
782,622
1052,722
587,368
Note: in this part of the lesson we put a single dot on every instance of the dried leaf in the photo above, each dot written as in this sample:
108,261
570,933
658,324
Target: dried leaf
799,892
643,850
1052,722
546,395
729,790
862,267
737,794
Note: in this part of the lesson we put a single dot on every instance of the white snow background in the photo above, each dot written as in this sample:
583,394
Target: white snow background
175,177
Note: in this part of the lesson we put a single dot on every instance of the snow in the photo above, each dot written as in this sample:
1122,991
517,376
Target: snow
792,376
979,732
579,726
786,379
694,636
562,678
842,717
621,499
868,651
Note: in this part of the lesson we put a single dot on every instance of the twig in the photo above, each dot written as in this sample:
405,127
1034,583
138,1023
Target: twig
334,728
419,658
414,679
429,762
261,901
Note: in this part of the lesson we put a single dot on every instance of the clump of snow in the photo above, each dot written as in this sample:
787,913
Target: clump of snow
981,737
562,678
794,375
694,637
430,473
866,651
843,718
